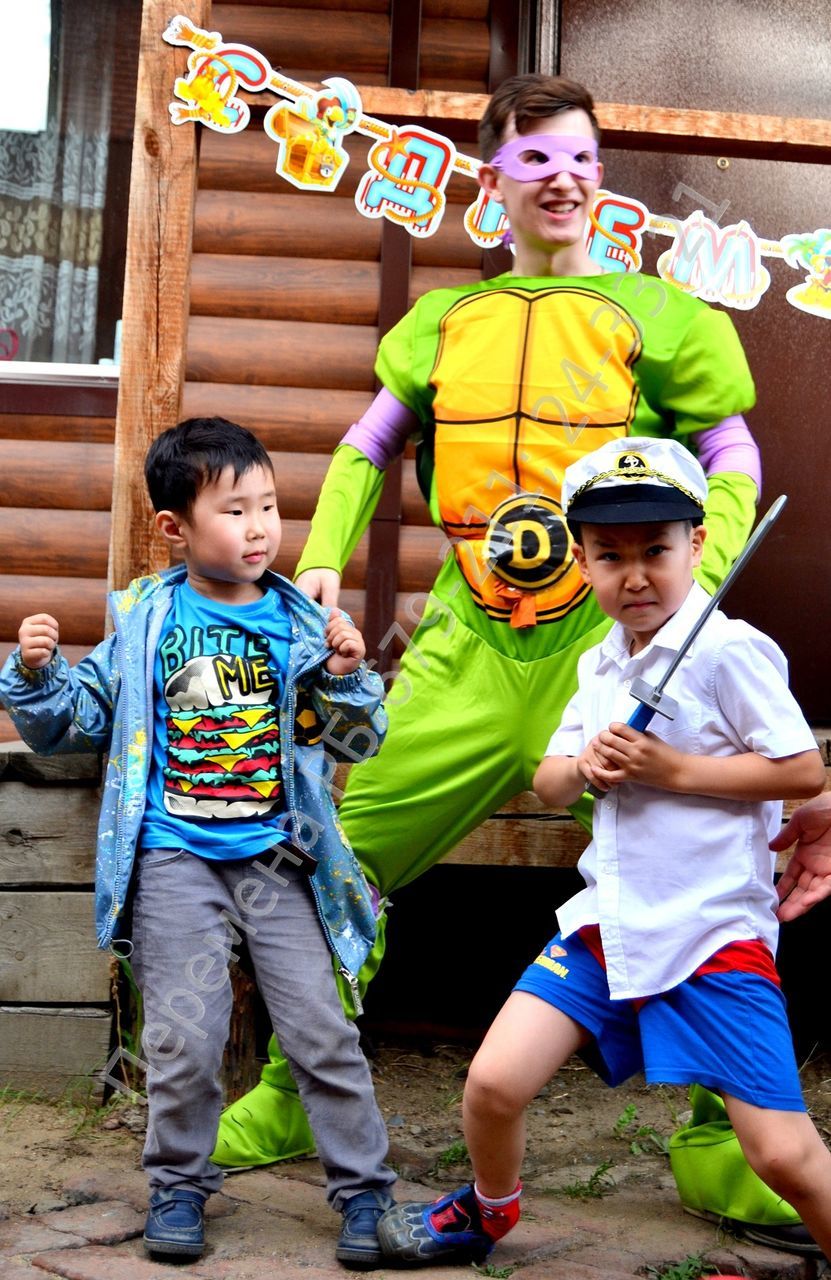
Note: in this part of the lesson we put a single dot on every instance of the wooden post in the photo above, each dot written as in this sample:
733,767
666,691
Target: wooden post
156,288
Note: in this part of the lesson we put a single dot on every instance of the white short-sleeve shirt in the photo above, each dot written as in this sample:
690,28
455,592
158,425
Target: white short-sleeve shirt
672,878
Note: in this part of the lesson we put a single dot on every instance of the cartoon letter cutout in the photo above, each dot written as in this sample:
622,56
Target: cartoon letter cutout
207,92
486,221
718,264
407,179
615,232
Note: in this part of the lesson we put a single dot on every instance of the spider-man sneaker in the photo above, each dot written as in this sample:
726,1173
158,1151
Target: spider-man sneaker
447,1230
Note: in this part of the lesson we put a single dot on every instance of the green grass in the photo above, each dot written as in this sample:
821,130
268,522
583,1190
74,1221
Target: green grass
497,1273
456,1153
599,1183
643,1139
692,1267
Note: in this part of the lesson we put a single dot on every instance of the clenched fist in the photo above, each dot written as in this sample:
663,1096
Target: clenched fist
38,639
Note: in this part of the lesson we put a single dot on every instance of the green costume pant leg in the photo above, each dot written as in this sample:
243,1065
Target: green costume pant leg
456,750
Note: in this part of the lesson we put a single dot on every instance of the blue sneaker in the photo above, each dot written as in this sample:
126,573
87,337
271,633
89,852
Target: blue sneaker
357,1246
447,1230
174,1227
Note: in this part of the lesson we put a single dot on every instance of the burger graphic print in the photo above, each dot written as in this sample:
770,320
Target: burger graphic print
223,758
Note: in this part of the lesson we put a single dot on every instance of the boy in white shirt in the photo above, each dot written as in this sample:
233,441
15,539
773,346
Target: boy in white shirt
669,948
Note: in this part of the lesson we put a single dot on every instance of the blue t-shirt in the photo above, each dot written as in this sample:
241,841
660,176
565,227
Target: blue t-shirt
215,785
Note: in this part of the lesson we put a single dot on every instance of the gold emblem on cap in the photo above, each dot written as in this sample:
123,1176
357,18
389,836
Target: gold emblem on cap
632,462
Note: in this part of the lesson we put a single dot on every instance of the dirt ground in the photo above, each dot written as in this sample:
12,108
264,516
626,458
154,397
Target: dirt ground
580,1134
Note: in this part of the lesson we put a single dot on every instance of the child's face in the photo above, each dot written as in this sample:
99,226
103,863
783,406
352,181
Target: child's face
550,214
640,573
231,535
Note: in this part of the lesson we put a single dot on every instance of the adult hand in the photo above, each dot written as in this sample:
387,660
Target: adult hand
38,639
322,585
807,878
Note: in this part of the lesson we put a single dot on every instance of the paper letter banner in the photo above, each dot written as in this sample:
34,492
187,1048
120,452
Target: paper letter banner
410,166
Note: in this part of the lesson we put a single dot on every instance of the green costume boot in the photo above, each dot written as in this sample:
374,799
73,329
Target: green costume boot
268,1123
715,1181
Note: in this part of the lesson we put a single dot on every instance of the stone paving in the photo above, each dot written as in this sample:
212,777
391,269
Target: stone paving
274,1224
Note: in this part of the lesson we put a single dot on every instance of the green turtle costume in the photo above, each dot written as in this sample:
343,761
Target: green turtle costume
511,380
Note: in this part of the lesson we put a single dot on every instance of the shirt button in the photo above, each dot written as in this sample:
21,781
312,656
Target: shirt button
627,684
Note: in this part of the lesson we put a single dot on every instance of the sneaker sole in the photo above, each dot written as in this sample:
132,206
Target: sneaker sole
360,1260
172,1249
401,1248
746,1231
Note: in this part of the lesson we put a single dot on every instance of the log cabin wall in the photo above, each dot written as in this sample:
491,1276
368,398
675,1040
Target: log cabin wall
291,290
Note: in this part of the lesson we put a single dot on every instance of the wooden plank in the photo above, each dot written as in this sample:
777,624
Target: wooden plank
48,951
290,41
634,125
522,842
54,1051
38,426
47,836
275,222
280,416
281,352
77,603
54,473
284,288
20,764
66,544
156,288
715,132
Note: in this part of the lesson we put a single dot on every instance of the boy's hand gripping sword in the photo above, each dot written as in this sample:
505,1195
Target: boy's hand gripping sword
652,697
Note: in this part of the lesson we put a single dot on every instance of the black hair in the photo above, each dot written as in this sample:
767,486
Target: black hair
185,458
576,529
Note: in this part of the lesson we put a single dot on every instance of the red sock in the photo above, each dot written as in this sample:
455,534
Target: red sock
499,1215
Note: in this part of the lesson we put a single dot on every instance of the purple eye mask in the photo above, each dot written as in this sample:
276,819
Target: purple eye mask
560,151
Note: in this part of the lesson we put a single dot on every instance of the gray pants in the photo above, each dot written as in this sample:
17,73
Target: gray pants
189,915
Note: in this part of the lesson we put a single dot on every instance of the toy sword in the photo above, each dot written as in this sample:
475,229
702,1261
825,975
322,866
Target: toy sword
652,698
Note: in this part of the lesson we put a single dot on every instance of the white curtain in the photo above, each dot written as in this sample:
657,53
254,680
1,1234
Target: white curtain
52,191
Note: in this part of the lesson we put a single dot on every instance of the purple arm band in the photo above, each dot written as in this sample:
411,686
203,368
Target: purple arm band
382,432
729,446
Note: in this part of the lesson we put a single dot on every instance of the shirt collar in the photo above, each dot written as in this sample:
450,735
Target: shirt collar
671,635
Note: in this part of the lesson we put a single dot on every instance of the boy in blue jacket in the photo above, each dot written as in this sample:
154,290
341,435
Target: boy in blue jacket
217,697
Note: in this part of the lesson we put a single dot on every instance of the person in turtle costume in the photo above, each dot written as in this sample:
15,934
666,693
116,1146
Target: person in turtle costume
503,384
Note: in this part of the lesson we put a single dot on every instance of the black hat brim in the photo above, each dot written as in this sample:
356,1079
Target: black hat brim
633,502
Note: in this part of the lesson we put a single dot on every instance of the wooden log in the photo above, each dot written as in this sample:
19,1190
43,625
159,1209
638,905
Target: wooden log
269,288
247,161
39,426
275,222
78,604
280,416
68,544
54,1052
294,43
318,226
47,836
52,473
156,289
422,279
281,352
630,125
473,9
48,951
78,769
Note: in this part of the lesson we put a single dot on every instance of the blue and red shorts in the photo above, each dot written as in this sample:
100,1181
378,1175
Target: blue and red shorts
724,1028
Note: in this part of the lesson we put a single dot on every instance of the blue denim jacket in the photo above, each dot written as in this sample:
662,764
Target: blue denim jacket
105,703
